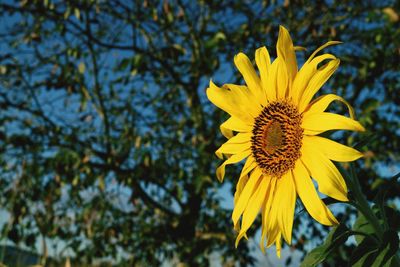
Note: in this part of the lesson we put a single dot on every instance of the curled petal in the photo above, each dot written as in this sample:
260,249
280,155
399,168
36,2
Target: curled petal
309,196
233,159
317,123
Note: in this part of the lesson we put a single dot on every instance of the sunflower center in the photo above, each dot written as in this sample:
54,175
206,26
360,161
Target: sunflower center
277,136
273,137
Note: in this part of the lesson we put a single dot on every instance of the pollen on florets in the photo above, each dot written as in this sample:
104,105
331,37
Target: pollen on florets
277,138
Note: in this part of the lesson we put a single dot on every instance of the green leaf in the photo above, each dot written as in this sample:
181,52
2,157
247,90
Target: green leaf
388,218
336,237
362,225
390,245
393,218
365,252
371,253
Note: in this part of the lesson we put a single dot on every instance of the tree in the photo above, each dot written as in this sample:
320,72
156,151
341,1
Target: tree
107,138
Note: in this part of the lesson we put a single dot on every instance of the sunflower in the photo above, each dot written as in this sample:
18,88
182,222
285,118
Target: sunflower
276,127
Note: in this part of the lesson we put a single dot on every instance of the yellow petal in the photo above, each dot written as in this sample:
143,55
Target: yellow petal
316,82
287,205
272,81
263,62
246,194
299,48
305,74
273,231
247,168
253,207
266,211
330,181
241,183
250,76
285,50
316,123
275,216
320,104
309,196
234,159
249,165
233,101
278,245
248,102
322,47
244,178
236,125
236,144
227,133
333,150
282,79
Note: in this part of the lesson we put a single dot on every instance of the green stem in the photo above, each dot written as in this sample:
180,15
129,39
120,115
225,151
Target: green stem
362,204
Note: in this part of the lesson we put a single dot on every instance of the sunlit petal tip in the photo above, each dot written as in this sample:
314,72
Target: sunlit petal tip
262,49
285,42
210,90
227,133
238,238
219,154
246,68
299,48
288,64
321,48
333,221
278,245
263,60
237,242
282,30
358,127
212,85
240,58
262,244
220,173
278,252
262,249
344,199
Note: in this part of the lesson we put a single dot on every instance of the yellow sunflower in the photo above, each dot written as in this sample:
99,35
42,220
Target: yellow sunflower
277,130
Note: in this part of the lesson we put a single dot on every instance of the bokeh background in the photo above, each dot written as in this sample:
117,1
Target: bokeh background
107,139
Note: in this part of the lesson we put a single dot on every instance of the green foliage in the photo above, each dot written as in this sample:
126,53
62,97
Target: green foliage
107,139
373,253
372,250
380,251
